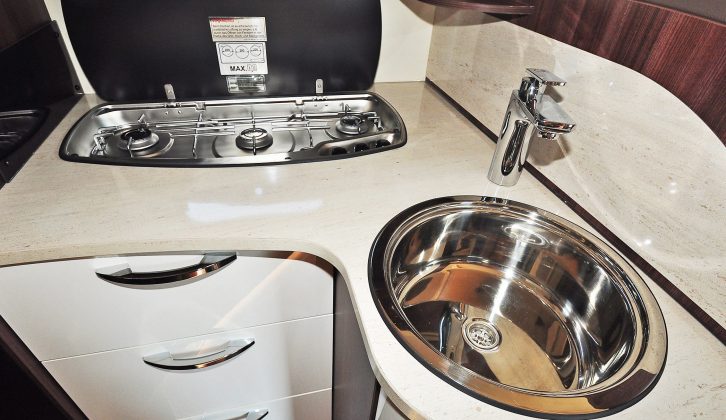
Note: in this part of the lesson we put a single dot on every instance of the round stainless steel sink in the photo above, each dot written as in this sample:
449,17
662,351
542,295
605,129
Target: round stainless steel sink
518,307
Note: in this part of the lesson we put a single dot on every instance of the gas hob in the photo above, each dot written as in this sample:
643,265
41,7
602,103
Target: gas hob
235,132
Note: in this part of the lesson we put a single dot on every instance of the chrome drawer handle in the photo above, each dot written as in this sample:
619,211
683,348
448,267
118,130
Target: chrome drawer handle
255,415
209,264
168,361
250,415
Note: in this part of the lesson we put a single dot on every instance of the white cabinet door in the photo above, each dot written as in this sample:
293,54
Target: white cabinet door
313,406
287,359
61,309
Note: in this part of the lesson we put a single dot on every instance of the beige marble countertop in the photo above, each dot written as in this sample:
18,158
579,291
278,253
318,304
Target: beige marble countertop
55,209
639,159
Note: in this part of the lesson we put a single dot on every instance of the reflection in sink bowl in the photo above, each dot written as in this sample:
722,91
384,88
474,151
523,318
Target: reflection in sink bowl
518,307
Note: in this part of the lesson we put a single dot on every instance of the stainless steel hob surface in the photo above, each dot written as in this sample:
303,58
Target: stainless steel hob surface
235,132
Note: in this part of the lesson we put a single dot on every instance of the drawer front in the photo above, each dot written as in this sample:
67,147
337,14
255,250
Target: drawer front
286,359
313,406
62,309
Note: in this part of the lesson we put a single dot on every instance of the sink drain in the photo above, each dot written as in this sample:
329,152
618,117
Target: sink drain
481,335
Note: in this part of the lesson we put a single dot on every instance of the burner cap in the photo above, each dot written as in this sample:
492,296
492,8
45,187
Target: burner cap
139,133
254,138
351,124
136,139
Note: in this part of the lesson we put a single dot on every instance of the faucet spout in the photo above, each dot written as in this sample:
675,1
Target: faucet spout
529,111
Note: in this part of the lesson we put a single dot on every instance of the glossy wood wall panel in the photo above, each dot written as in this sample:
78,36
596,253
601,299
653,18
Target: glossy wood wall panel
684,53
712,9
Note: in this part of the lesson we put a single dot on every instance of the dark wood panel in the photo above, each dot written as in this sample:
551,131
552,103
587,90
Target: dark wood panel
27,401
20,18
355,388
682,52
662,281
712,9
52,403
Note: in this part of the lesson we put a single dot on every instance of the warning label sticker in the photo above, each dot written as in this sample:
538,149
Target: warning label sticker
238,29
241,44
242,58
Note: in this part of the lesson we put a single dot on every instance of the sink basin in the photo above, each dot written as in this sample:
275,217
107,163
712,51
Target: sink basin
518,307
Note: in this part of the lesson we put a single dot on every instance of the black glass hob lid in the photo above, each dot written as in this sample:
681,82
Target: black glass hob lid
130,49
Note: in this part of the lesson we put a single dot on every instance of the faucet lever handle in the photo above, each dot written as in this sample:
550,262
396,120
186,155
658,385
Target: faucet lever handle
546,77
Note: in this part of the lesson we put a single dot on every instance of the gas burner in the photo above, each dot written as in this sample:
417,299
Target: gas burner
240,131
254,138
137,139
351,124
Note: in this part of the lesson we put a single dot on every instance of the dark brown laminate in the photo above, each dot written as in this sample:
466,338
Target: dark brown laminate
33,369
682,52
20,18
505,7
355,388
712,9
688,304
